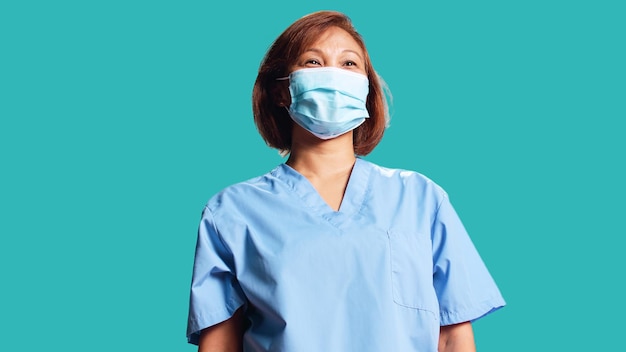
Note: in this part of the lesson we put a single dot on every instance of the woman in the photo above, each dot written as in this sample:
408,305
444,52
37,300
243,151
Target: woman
329,252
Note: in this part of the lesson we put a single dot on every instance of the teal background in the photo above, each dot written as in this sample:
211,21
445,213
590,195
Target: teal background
119,119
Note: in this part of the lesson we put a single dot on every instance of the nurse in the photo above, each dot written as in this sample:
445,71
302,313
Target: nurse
329,252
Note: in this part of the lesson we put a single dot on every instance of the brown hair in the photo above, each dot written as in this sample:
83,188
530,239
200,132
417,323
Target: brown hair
272,119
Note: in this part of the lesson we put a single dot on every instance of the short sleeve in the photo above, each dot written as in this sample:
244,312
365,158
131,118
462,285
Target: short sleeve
465,289
215,292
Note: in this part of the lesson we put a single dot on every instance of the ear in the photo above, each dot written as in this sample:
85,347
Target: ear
280,93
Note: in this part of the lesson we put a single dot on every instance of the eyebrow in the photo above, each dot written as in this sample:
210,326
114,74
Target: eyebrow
344,51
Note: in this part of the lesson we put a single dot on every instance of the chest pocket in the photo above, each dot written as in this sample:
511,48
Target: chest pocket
412,271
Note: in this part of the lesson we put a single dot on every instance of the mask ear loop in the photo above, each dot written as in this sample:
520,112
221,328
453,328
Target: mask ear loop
283,79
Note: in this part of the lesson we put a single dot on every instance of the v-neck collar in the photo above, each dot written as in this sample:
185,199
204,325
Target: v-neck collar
353,197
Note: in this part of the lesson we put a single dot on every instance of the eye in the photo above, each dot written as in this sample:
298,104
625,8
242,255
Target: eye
312,62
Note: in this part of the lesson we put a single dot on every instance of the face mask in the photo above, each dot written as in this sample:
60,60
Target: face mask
328,101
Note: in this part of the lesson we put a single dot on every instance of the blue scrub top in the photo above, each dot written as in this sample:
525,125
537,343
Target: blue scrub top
381,274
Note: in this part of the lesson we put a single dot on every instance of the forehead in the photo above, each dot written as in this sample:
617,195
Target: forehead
334,37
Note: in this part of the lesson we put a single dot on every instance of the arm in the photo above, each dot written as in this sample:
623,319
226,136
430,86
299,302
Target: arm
457,338
226,336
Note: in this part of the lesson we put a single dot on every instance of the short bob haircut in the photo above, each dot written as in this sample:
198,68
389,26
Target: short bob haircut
270,116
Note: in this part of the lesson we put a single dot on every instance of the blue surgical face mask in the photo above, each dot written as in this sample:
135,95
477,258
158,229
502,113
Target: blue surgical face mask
328,101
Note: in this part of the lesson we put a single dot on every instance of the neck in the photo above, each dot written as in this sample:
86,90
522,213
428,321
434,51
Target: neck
313,157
